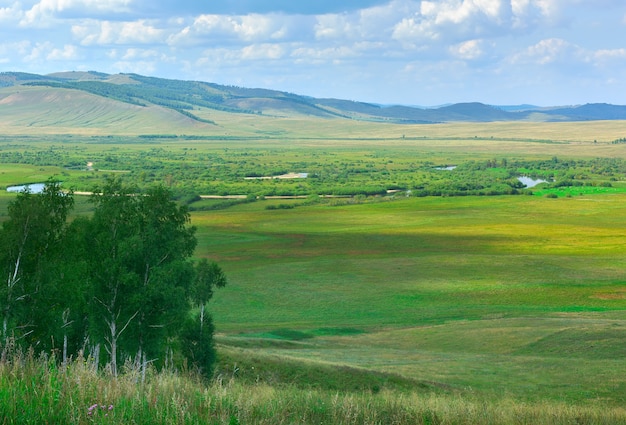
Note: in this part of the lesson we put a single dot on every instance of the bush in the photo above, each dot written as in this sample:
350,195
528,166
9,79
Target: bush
197,344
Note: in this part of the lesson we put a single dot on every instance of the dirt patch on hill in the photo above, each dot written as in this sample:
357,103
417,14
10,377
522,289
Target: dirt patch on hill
617,295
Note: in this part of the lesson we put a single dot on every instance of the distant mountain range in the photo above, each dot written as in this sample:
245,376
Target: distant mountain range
187,97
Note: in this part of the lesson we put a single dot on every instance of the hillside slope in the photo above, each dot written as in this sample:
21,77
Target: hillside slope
71,111
131,102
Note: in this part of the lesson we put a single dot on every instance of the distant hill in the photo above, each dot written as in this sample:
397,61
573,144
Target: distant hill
593,111
181,101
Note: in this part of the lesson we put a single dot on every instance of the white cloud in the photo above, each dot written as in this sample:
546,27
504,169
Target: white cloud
68,52
461,11
262,51
10,52
410,31
373,23
611,62
468,50
316,55
135,53
377,22
141,32
19,47
135,67
38,51
246,28
12,13
45,12
546,51
217,58
455,21
547,7
106,33
255,52
569,58
333,27
255,27
605,54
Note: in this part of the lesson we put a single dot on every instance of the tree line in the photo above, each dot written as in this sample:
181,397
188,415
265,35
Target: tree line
119,284
190,172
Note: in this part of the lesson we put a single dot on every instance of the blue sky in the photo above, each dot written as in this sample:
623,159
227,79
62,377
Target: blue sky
412,52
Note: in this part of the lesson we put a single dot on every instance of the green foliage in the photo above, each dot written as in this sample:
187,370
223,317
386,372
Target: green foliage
32,255
197,332
121,278
197,343
208,275
191,166
280,207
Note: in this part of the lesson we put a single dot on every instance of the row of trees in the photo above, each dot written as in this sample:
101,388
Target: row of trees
122,278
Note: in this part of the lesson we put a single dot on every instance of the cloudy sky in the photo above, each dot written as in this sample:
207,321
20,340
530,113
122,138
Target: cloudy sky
414,52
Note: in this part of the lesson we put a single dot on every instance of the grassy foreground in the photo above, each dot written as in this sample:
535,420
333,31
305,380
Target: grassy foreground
36,390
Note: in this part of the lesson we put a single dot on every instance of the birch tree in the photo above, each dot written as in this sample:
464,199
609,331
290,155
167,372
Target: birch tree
30,241
141,272
110,243
197,335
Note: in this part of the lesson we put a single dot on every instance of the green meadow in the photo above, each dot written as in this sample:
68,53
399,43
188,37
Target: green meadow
379,307
522,296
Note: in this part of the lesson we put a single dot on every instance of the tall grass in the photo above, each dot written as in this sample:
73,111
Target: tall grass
36,390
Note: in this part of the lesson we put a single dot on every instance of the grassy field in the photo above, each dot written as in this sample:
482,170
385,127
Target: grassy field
466,310
494,309
15,174
522,296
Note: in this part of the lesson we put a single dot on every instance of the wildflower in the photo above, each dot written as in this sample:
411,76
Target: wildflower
91,410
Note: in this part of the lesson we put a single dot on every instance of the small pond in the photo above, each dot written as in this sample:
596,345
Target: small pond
33,187
530,182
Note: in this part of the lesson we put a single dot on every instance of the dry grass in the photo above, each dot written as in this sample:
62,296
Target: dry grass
36,390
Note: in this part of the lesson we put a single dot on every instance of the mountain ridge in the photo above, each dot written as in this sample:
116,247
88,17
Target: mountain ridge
188,97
